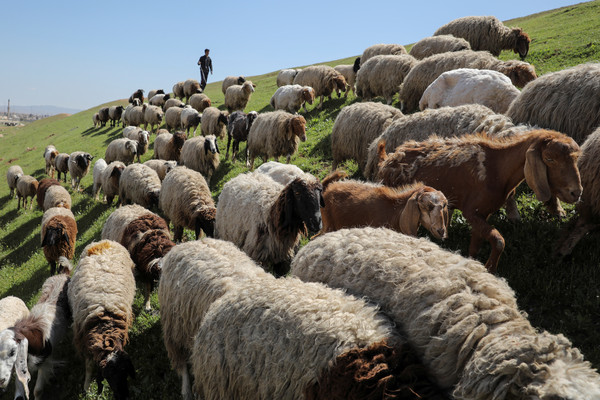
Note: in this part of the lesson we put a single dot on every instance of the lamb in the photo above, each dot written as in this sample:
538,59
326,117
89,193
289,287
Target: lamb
26,187
153,115
133,115
190,118
438,44
201,154
190,87
173,103
50,154
61,164
490,167
178,90
12,175
238,127
464,322
286,76
351,203
237,96
122,149
214,122
382,76
275,134
159,100
323,79
153,93
56,196
168,146
138,94
43,186
12,309
173,118
139,184
488,33
107,178
349,74
230,81
103,116
381,49
467,86
161,167
292,97
101,294
142,138
58,235
199,102
186,201
428,69
114,115
355,127
274,217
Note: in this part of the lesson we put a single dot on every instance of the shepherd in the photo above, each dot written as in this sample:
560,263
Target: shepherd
205,64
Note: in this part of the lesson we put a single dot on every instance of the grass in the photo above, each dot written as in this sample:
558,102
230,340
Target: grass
562,297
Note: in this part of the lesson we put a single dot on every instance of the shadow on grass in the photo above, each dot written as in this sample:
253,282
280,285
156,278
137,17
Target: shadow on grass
9,216
23,231
91,216
26,289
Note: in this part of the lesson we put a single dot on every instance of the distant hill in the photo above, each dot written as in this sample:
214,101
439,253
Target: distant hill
39,110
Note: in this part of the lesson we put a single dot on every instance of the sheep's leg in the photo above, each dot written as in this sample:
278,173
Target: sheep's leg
287,159
320,102
89,368
480,229
148,306
178,233
52,268
44,372
186,386
512,212
554,207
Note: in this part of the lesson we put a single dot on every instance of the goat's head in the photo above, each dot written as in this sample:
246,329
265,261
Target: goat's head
210,144
115,369
13,354
204,219
522,41
428,207
297,127
551,169
303,202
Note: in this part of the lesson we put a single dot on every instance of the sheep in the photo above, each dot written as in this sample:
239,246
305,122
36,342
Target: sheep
12,175
201,154
190,118
121,149
107,178
153,93
467,86
61,164
56,196
153,115
382,76
168,146
99,167
138,94
238,127
438,44
275,134
214,122
142,138
139,184
190,87
381,49
29,345
274,217
232,80
159,100
101,295
134,115
178,90
173,118
199,102
349,74
173,103
353,203
103,116
58,235
286,76
194,275
26,187
488,33
355,127
492,168
323,79
50,154
292,97
186,201
96,120
79,166
285,173
428,69
114,114
237,96
161,167
464,322
43,186
12,309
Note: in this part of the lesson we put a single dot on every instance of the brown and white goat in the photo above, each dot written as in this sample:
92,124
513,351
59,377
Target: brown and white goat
478,172
352,204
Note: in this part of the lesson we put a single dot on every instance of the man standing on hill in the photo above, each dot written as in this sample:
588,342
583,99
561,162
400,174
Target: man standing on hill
205,64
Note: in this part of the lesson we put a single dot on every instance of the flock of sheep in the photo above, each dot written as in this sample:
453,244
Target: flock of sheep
365,310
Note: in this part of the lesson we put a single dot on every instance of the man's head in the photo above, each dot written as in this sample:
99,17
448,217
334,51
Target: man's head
206,51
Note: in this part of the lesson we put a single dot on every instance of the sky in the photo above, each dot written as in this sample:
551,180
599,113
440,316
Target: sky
80,54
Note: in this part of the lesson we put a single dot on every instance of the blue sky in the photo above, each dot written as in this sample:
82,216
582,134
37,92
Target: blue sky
80,54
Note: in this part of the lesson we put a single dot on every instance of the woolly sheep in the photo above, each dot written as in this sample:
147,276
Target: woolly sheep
173,118
57,196
103,116
214,122
114,114
96,120
139,184
428,69
107,179
230,81
168,146
275,134
58,235
153,93
438,44
79,166
382,76
355,127
50,154
201,154
121,149
116,223
463,321
12,175
286,76
26,187
349,73
237,96
186,201
159,100
99,167
138,94
190,87
161,167
238,127
487,33
142,138
323,79
381,49
172,103
101,295
199,102
467,86
43,186
285,173
61,164
292,97
12,309
153,115
178,90
133,115
190,118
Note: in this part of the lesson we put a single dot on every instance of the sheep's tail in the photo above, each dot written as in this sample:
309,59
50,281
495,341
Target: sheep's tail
64,265
272,102
334,176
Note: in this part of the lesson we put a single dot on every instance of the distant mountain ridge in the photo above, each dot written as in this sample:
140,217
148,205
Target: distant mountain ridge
39,110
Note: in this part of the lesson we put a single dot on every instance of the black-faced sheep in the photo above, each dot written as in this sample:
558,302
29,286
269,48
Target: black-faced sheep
139,184
199,102
79,166
382,76
56,196
50,154
201,154
142,138
121,149
438,44
101,295
349,71
58,235
168,146
238,127
381,49
214,122
323,79
114,114
487,33
286,76
153,93
463,321
12,175
61,164
26,187
230,81
190,119
161,167
190,87
237,96
153,115
292,97
103,116
159,100
138,94
173,117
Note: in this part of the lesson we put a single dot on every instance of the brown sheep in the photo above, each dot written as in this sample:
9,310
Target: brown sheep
478,172
138,94
58,235
26,187
43,186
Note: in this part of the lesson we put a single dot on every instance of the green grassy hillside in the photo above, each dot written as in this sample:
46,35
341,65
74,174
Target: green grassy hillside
560,297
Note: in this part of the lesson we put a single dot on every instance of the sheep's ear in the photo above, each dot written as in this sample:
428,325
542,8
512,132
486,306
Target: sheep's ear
321,199
536,174
217,146
23,376
206,147
409,219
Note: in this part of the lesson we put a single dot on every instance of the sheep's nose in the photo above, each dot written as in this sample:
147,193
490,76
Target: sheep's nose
442,233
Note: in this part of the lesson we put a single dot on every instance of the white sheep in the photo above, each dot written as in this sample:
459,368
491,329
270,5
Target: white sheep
190,87
154,92
139,184
382,76
214,122
237,96
284,173
50,154
201,154
57,196
292,97
142,138
159,100
232,80
12,309
107,180
172,102
286,76
26,187
79,166
96,120
323,79
99,167
133,115
467,86
199,101
121,149
168,146
190,118
438,44
349,71
12,175
161,167
178,90
153,115
381,49
173,117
